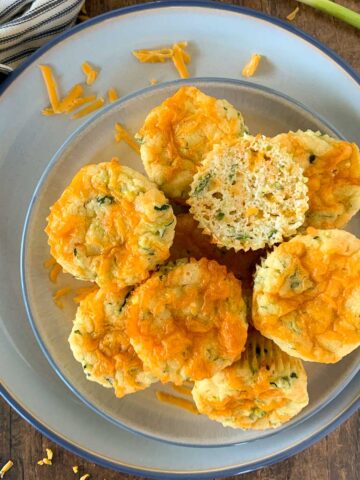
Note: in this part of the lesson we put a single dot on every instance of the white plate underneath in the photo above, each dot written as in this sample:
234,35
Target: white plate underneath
295,64
264,111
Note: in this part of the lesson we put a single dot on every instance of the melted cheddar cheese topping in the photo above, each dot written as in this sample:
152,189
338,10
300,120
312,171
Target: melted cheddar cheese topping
100,343
111,225
188,320
307,296
177,134
264,389
333,171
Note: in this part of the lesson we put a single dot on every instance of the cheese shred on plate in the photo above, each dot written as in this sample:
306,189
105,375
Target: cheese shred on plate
49,263
6,468
54,272
122,134
75,97
112,94
51,87
70,98
89,109
177,401
181,389
251,67
59,294
90,73
176,53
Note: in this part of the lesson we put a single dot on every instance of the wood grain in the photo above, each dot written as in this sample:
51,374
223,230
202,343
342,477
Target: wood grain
337,456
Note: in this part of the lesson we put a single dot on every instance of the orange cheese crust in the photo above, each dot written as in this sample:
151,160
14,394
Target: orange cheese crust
307,296
264,389
333,171
110,225
179,132
188,320
99,341
190,241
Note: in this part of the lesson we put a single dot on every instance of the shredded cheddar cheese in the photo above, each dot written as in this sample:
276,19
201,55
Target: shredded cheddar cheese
54,272
50,262
71,107
181,389
180,58
153,56
90,73
59,294
6,468
84,477
293,14
47,111
177,401
83,292
89,109
81,101
251,211
40,462
112,94
122,134
75,469
46,461
49,453
74,93
311,231
176,53
51,86
251,67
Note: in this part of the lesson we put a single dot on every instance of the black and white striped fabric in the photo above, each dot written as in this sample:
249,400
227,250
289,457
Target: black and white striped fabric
25,25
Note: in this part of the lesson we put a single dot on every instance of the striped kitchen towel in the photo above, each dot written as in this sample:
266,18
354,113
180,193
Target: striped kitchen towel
25,25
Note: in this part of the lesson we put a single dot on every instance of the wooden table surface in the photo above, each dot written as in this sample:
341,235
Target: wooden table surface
335,457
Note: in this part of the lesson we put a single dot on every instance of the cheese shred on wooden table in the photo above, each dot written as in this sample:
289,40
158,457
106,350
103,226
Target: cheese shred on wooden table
293,14
6,468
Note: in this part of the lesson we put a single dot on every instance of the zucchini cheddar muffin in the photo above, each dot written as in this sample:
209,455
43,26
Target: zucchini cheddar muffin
100,343
264,389
111,225
188,321
179,132
249,194
307,296
333,170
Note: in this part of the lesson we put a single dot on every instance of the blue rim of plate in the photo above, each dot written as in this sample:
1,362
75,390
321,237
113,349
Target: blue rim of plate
90,121
143,7
342,417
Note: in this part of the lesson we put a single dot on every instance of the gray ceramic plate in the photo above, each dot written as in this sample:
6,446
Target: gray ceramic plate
293,63
264,111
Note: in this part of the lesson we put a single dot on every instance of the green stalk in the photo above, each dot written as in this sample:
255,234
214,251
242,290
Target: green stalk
338,11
